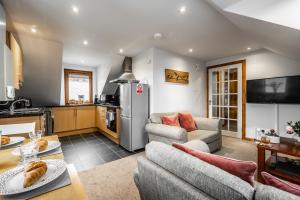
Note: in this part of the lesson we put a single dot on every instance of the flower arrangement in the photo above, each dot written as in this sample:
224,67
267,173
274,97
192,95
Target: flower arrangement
271,132
293,127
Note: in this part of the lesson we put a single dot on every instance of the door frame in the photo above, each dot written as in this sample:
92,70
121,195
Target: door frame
243,62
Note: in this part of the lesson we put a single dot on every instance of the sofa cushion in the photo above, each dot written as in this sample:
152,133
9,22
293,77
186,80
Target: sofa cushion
187,122
242,169
210,179
197,145
280,184
204,135
171,120
265,192
156,117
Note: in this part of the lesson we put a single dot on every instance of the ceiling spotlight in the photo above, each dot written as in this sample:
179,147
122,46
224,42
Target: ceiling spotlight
249,48
158,36
33,29
2,23
190,50
85,42
121,50
182,9
75,9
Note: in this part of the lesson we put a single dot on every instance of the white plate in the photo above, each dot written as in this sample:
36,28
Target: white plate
51,146
14,141
11,182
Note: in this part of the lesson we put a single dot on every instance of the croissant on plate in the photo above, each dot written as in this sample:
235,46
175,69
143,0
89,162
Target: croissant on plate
33,172
5,140
41,144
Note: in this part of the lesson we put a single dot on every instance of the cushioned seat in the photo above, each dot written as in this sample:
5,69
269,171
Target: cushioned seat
204,135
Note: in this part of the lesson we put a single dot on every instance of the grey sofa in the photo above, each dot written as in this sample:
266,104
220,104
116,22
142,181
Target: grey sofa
167,173
209,131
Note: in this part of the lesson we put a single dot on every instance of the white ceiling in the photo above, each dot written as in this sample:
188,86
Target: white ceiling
129,24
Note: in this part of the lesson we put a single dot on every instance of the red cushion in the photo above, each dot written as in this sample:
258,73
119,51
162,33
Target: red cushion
171,120
242,169
187,122
280,184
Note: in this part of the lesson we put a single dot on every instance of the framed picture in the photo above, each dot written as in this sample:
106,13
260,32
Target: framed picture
174,76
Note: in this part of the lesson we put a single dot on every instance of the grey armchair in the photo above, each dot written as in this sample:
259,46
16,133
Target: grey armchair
208,130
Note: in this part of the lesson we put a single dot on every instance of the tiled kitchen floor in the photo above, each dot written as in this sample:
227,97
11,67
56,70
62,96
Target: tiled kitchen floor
88,150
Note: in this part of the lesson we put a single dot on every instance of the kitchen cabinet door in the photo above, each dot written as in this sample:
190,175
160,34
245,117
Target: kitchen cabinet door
85,117
64,119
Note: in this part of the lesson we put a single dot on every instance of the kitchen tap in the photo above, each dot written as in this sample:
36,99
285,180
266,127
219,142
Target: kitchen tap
12,106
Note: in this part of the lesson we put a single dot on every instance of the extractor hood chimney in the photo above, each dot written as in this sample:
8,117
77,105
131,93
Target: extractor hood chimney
127,76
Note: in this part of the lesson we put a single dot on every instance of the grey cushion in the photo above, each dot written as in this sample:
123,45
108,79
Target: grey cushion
204,135
264,192
159,184
208,124
207,178
197,145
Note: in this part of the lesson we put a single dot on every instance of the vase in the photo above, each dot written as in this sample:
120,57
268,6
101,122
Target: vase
296,137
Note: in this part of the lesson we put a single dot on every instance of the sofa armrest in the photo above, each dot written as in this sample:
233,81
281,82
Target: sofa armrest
173,132
208,124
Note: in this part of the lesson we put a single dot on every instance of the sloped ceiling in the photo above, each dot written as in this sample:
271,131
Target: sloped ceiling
274,24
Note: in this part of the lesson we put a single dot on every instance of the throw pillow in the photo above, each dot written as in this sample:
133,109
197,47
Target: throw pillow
187,122
281,184
171,120
243,169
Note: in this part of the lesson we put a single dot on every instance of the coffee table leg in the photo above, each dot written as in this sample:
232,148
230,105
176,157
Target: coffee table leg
261,159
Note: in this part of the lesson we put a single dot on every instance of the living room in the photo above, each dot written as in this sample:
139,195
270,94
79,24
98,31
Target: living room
104,100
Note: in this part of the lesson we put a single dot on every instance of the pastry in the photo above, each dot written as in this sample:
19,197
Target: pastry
41,144
33,172
5,140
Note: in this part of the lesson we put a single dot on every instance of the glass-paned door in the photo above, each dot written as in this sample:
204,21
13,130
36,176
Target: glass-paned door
225,98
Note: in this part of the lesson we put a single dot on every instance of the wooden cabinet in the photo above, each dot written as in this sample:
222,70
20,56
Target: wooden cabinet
64,119
68,119
39,121
101,117
85,117
17,61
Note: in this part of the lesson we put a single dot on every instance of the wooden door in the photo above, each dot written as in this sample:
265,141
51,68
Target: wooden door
64,119
85,117
101,118
225,98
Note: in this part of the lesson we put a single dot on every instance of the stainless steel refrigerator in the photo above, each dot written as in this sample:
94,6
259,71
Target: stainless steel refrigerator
134,103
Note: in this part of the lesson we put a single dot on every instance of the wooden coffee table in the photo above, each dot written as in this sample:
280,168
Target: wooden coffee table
286,147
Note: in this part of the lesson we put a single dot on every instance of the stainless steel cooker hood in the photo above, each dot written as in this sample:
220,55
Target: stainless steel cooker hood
127,76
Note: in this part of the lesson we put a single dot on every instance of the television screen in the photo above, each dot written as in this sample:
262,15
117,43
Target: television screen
281,90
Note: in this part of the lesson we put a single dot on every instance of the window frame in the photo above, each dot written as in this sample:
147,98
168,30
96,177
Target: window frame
67,72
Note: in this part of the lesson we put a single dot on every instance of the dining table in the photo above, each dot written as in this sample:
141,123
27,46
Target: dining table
73,191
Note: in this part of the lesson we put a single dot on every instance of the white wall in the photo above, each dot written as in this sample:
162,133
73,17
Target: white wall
266,64
42,62
2,42
150,65
142,68
77,67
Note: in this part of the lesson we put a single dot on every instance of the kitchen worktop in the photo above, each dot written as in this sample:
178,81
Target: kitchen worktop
23,114
107,105
71,105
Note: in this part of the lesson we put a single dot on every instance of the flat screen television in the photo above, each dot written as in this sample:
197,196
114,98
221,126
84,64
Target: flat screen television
279,90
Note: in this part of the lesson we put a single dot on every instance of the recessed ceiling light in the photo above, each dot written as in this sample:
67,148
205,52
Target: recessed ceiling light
85,42
121,50
182,9
33,29
75,9
190,50
158,36
248,48
2,23
82,61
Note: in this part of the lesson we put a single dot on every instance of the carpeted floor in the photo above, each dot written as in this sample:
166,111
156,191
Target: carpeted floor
114,180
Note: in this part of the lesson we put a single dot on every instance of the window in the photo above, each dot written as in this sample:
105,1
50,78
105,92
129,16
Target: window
78,86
